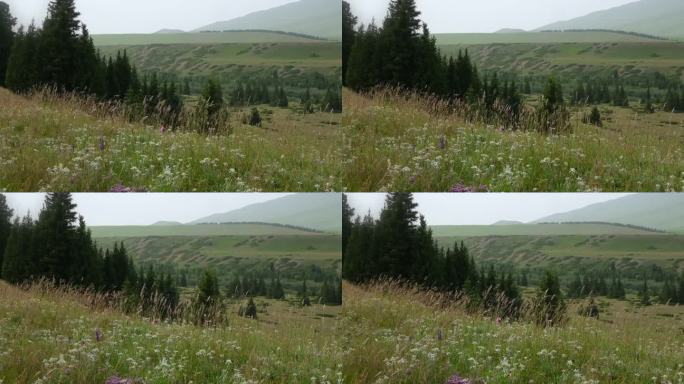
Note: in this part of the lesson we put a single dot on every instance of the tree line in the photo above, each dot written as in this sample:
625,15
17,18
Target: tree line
403,53
58,246
399,246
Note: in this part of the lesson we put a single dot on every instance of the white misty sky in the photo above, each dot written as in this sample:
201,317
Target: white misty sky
484,208
463,16
145,16
143,208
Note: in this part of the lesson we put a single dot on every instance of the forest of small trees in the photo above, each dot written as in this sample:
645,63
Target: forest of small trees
60,55
399,246
403,53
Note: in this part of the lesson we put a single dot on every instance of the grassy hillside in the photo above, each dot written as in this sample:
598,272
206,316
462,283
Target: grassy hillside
664,212
655,17
407,337
536,230
632,60
49,143
320,211
243,37
197,230
568,254
235,61
312,17
406,142
288,251
538,38
48,336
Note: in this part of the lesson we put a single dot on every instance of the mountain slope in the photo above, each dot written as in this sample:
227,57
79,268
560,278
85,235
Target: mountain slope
654,17
321,211
661,211
320,18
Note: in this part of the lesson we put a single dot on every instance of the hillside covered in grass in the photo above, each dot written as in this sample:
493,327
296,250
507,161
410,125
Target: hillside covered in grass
62,336
397,141
397,335
63,143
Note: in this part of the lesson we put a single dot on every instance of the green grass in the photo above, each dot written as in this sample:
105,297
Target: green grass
393,336
393,143
198,38
213,250
633,60
235,59
536,230
54,144
197,230
49,337
631,255
537,38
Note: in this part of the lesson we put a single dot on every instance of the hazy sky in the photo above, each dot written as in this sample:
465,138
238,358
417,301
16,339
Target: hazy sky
443,16
484,208
145,16
143,208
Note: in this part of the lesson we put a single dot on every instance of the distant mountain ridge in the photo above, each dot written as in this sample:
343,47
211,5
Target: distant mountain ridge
319,211
654,17
659,211
321,18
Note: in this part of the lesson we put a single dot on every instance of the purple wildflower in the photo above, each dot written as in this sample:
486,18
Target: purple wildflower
462,188
456,379
102,143
120,188
98,334
118,380
162,129
442,142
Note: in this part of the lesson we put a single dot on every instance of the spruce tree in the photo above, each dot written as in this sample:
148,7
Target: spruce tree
251,310
55,229
348,35
347,216
7,23
549,306
59,46
6,214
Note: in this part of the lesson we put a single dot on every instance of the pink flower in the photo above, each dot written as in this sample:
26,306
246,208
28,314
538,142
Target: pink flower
162,129
498,320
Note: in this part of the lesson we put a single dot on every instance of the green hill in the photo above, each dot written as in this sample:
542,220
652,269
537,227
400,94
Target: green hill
540,37
321,211
661,211
312,17
505,229
170,229
245,37
655,17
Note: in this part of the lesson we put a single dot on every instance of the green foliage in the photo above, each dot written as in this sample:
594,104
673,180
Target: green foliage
7,23
403,53
348,35
400,246
208,304
250,310
55,248
549,306
6,214
255,118
594,117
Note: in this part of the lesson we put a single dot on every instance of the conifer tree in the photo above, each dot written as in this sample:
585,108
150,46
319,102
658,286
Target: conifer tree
550,307
251,310
17,261
6,214
347,216
59,46
7,23
348,35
